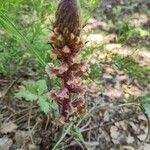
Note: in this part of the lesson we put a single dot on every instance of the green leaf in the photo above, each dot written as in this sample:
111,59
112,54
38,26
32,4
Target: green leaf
76,132
44,104
42,87
13,30
147,109
32,87
37,88
53,105
26,95
144,99
35,91
96,71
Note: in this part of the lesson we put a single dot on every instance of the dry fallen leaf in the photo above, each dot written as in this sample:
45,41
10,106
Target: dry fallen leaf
8,127
114,132
21,137
5,143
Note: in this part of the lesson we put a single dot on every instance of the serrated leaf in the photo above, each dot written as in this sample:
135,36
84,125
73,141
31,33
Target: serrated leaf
37,88
144,99
53,105
35,91
32,87
44,104
26,95
42,87
147,109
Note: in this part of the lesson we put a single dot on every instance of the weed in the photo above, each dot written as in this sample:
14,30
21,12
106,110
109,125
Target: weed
37,92
145,101
125,30
95,71
129,65
24,31
124,25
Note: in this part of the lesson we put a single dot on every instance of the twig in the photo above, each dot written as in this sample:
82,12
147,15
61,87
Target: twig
91,144
128,104
17,113
30,131
4,81
8,89
47,122
38,121
20,118
91,128
88,122
11,109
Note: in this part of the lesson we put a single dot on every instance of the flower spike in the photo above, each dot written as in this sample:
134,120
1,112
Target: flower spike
67,47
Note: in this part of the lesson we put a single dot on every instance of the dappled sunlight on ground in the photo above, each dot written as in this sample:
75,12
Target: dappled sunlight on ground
129,51
94,24
116,83
140,19
99,39
93,39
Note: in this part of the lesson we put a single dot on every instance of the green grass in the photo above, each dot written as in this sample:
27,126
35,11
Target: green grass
24,29
91,50
96,71
132,68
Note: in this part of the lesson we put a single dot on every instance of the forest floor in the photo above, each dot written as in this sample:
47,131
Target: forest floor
113,120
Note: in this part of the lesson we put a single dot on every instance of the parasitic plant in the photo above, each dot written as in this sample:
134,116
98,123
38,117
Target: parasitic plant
67,45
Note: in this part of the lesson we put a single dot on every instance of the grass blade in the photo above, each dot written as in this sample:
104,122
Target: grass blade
63,136
12,29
